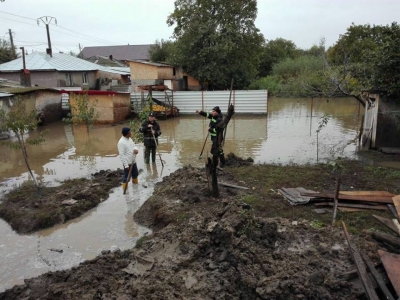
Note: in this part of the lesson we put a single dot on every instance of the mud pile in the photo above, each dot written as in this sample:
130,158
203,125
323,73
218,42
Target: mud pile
28,209
206,248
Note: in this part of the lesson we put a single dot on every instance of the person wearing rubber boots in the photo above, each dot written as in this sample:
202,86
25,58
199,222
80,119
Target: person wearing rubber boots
215,118
151,131
127,154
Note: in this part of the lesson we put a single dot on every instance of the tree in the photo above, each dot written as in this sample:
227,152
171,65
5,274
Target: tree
20,122
161,51
367,57
83,110
275,51
217,41
6,52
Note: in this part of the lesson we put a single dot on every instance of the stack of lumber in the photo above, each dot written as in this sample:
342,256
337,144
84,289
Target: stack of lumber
372,280
354,200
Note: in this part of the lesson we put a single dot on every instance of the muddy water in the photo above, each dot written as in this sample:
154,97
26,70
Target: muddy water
286,135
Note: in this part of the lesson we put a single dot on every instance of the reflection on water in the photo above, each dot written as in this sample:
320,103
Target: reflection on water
286,135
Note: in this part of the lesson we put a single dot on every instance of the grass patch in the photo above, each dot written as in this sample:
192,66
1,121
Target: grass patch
265,180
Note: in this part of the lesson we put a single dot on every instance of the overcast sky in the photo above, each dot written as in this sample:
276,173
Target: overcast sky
137,22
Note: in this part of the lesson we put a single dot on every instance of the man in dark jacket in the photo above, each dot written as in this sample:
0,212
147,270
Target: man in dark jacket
215,118
151,131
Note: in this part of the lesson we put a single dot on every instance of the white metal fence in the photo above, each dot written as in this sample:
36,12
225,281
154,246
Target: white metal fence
246,102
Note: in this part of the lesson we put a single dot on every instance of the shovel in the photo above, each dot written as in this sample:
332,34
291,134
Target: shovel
158,152
205,141
128,178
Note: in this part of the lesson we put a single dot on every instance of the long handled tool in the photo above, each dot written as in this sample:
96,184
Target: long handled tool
205,141
158,152
229,104
128,178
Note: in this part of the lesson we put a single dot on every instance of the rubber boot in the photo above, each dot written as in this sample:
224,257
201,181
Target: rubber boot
124,186
135,181
221,160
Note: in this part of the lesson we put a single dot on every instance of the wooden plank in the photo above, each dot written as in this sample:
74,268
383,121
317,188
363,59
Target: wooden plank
233,186
351,205
368,193
391,262
361,268
335,200
381,199
379,280
353,273
388,223
386,238
349,209
396,203
320,210
393,211
293,195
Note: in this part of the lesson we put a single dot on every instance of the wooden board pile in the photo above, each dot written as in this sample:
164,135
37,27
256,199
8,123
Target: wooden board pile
373,282
354,200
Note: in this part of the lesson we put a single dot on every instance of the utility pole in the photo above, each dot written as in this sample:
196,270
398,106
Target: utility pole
12,42
80,51
23,58
47,20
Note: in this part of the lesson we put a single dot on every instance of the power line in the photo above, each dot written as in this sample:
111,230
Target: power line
16,15
73,31
18,21
81,35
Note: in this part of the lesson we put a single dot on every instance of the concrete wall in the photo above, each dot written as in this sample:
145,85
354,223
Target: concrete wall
107,76
77,79
50,104
47,102
45,79
55,79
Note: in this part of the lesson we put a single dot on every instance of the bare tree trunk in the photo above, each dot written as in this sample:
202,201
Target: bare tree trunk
220,137
25,155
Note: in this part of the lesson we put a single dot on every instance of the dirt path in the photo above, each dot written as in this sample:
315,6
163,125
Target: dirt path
226,248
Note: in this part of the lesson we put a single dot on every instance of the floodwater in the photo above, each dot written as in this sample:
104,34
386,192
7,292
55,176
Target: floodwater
286,135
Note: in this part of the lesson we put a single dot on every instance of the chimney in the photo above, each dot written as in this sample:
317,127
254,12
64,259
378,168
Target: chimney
49,52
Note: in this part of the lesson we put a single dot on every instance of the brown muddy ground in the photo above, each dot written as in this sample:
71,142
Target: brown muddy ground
236,247
28,209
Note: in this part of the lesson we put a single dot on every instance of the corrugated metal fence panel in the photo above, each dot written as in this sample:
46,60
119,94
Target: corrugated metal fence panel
188,102
159,96
247,102
217,98
251,102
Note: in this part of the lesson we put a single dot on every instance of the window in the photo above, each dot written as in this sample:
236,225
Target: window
68,79
85,79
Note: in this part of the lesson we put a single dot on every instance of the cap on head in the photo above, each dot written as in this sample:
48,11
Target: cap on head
125,131
216,108
151,114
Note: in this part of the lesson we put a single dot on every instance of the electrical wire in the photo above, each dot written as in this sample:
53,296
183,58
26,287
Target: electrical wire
80,35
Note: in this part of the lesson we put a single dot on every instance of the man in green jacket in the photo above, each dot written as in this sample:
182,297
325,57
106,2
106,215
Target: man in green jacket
215,118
